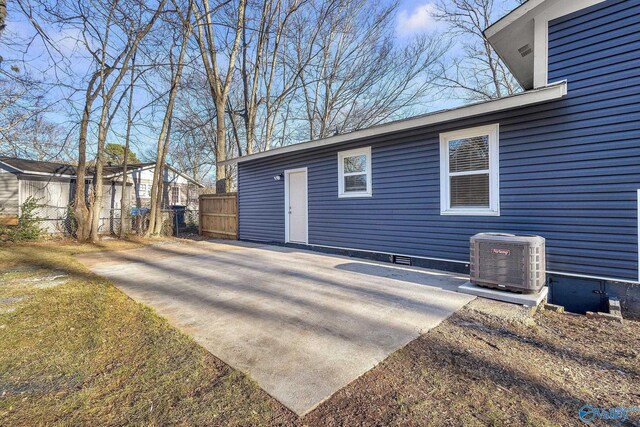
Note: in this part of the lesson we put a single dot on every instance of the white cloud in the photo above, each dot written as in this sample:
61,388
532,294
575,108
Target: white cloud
67,40
419,20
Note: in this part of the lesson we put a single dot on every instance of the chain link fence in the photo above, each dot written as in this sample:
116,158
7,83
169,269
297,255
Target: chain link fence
177,221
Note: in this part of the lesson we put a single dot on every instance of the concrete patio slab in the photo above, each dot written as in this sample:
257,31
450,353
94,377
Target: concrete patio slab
302,324
530,300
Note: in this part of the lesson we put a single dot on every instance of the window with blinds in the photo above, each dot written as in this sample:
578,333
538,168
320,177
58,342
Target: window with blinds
469,171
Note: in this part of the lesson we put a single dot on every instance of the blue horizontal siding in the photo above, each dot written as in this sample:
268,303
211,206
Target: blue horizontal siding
569,169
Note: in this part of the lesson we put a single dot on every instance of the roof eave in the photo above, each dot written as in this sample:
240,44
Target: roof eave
536,96
511,17
168,166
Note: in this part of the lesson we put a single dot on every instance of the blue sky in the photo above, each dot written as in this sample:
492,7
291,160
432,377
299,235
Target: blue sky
414,17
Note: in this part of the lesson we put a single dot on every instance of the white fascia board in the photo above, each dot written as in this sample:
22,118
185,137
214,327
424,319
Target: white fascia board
548,93
188,178
552,9
511,17
540,12
130,169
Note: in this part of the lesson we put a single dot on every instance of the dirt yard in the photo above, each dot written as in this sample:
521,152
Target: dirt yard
477,369
75,350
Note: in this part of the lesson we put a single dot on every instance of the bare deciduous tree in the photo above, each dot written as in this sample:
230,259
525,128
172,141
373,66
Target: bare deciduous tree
478,74
138,30
216,48
357,76
110,34
176,67
262,64
124,203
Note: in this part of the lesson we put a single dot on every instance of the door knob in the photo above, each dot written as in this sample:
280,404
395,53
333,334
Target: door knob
289,210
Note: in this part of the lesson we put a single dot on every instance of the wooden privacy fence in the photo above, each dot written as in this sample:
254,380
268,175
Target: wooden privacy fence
219,215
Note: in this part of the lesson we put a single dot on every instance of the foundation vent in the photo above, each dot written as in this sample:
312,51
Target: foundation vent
402,260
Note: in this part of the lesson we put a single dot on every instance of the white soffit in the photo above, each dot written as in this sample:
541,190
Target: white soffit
520,37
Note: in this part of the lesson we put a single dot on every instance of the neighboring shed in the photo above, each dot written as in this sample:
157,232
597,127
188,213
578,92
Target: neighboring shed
8,197
179,188
53,184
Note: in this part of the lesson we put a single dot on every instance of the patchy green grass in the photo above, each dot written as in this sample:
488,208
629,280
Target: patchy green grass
75,350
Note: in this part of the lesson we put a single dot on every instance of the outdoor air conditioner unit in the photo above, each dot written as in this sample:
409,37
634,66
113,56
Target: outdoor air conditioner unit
507,261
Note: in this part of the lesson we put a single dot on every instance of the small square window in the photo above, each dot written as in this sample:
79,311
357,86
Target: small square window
354,173
469,174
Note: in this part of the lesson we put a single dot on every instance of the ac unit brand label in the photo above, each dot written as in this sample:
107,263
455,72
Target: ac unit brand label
497,251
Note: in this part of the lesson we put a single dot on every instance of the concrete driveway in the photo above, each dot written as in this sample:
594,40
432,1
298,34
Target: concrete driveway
302,324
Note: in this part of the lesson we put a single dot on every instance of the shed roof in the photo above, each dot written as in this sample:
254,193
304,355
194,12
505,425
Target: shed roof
65,170
39,167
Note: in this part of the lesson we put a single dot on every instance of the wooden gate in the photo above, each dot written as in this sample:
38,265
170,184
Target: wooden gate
219,215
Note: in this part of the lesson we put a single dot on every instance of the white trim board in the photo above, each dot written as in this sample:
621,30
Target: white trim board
536,96
388,253
529,23
541,35
130,169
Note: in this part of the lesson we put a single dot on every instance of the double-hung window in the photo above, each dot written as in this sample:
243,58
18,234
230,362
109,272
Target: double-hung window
469,174
175,195
354,173
145,191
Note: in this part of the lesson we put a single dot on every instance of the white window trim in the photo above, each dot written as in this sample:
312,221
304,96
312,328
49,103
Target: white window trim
494,171
350,153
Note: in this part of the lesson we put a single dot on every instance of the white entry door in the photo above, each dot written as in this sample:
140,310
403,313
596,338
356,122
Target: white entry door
296,205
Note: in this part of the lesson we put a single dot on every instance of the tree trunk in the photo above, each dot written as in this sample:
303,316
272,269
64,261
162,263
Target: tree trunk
218,86
98,188
157,229
124,200
3,14
80,209
155,214
221,133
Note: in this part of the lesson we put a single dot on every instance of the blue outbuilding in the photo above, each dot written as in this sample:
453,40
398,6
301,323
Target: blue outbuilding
560,160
